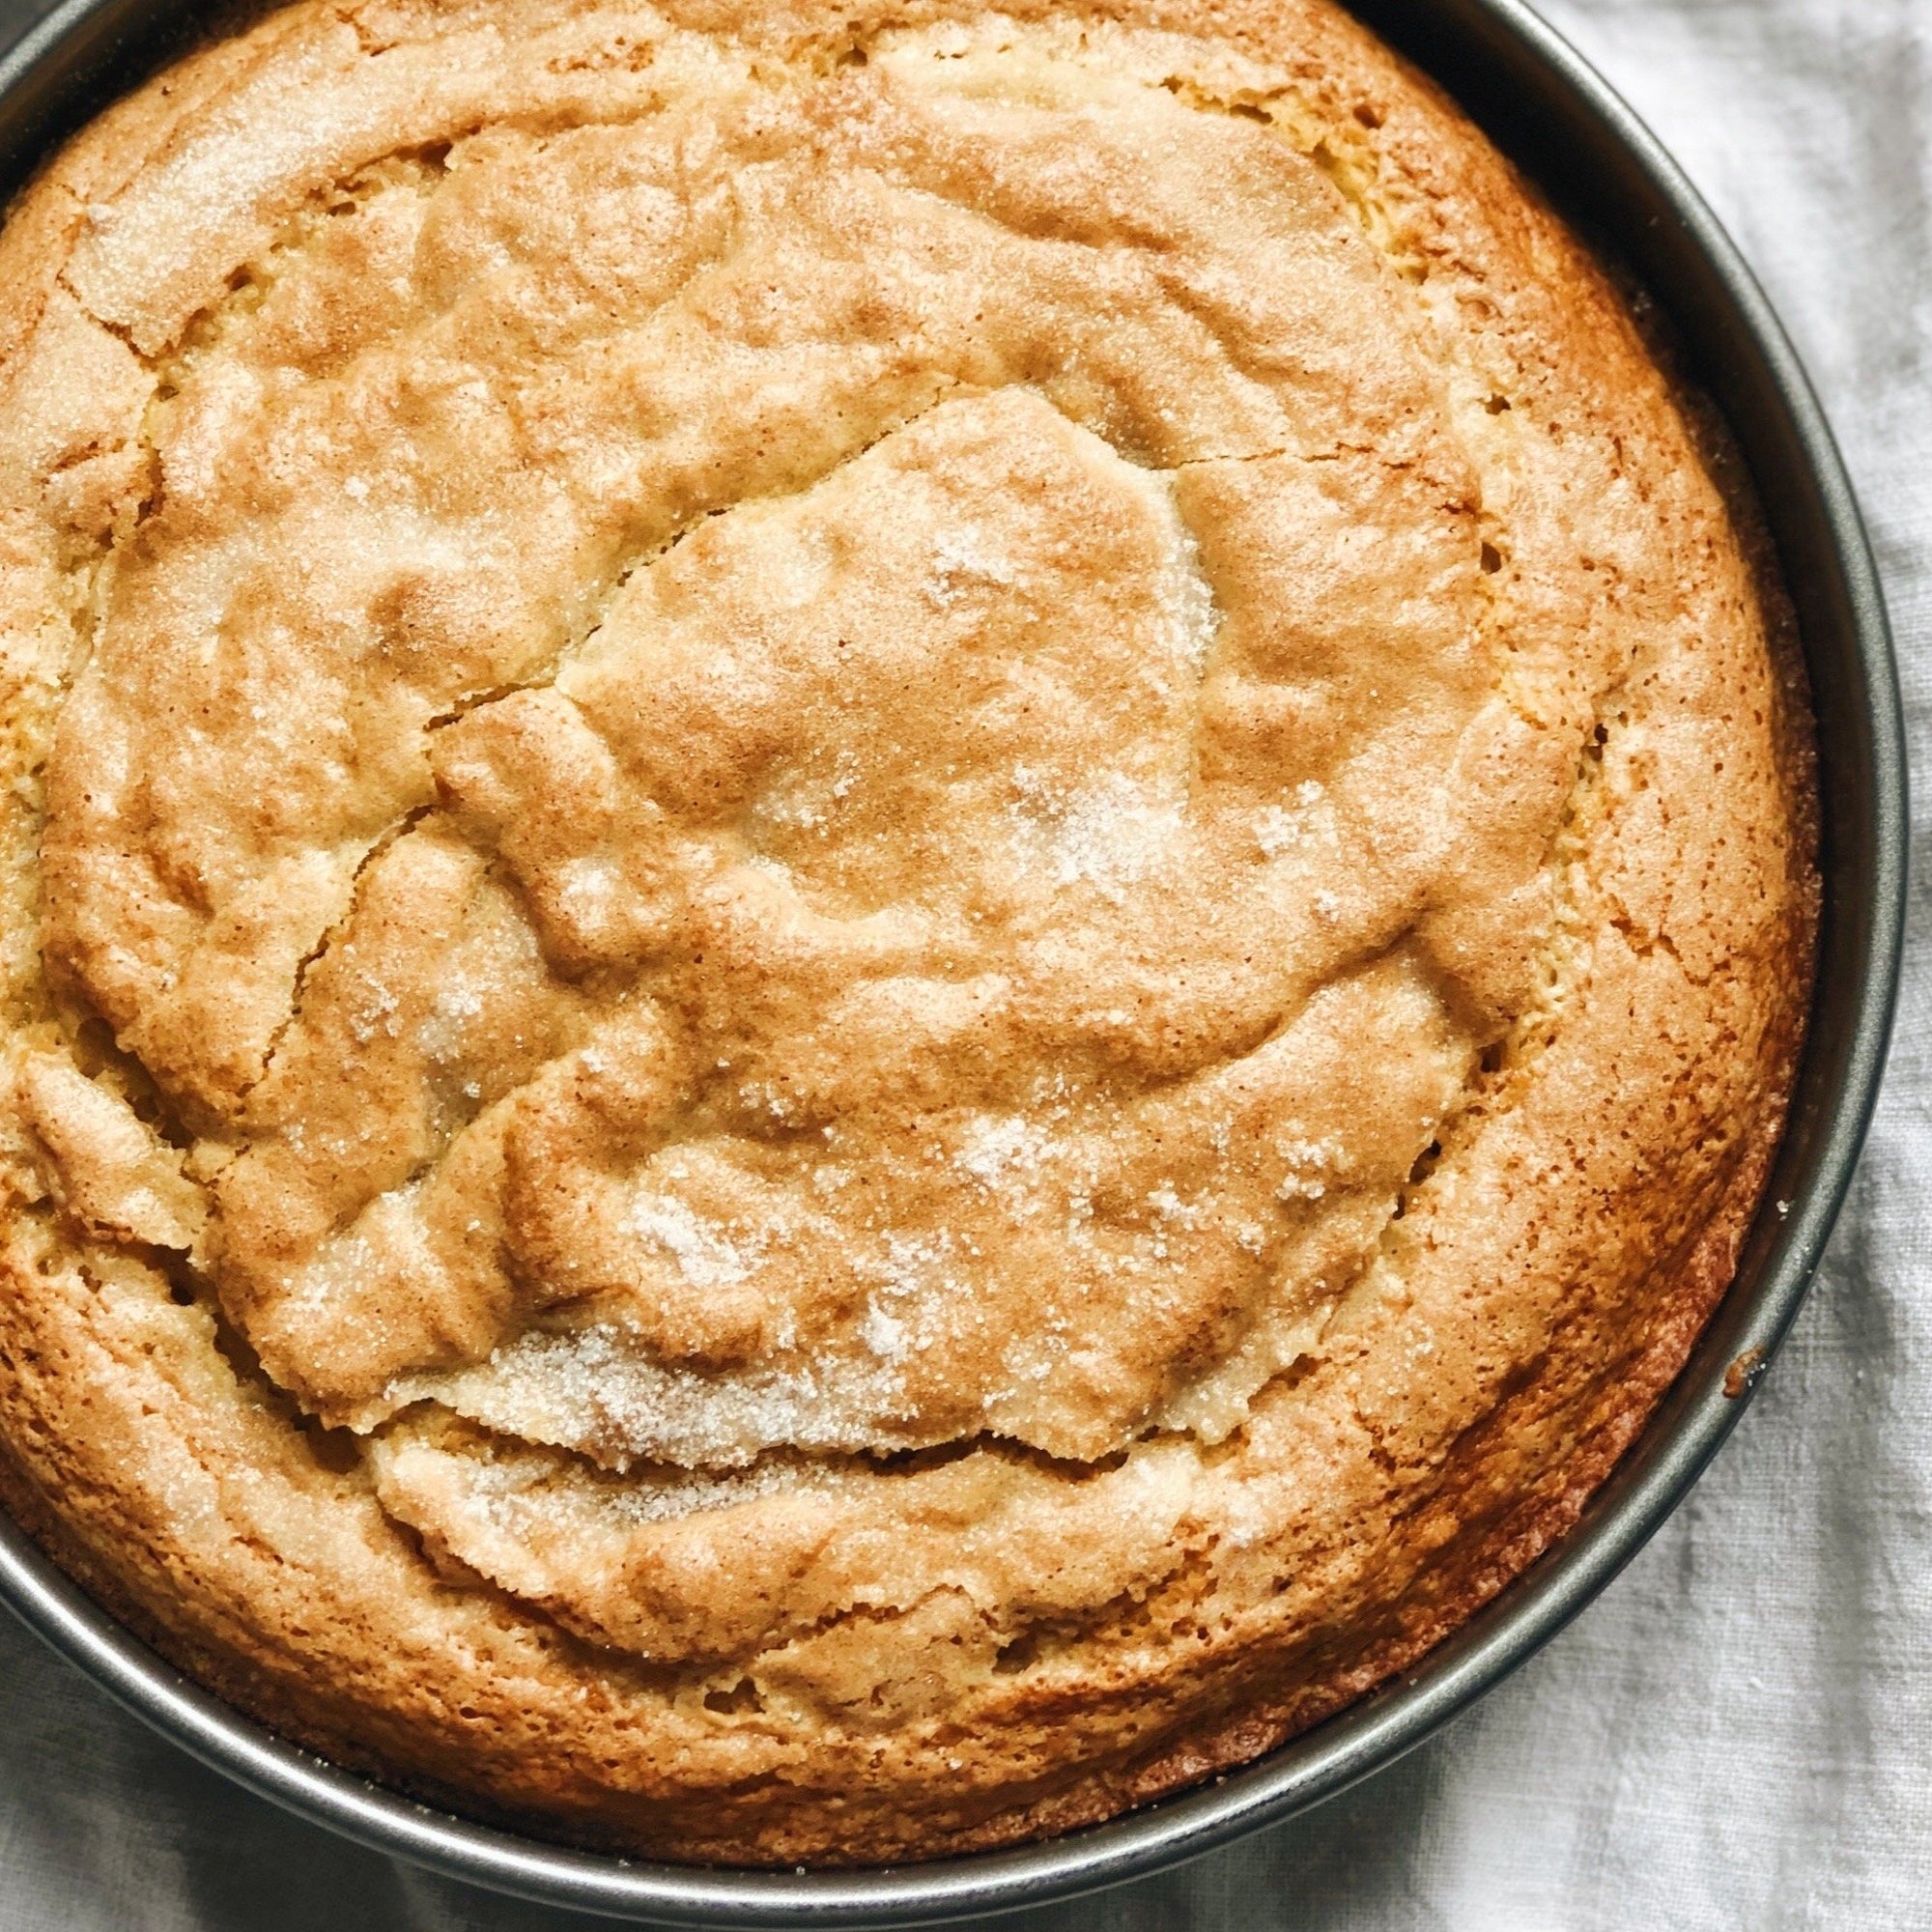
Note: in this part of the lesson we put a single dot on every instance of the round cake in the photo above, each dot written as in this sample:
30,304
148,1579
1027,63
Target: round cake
902,906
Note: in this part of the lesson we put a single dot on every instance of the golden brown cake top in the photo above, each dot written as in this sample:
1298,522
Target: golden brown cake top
838,791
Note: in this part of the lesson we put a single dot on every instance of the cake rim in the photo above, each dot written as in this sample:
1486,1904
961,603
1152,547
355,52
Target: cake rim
1709,1273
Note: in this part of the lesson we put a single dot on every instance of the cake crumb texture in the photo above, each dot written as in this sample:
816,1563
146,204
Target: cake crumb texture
898,910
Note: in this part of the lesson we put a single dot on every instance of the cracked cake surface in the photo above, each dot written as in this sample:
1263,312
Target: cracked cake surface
900,908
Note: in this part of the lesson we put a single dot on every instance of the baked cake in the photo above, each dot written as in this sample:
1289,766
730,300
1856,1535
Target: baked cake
902,905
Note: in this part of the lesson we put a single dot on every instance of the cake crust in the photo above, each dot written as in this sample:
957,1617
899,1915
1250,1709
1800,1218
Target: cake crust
902,911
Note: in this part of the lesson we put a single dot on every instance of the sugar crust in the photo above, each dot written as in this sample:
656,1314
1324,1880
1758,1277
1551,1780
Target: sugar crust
900,915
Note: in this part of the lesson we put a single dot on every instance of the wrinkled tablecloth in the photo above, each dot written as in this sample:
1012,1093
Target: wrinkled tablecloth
1739,1733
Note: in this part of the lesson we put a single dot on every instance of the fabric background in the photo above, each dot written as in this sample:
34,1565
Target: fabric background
1739,1733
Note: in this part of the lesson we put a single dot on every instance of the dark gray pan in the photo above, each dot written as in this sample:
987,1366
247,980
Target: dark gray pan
1552,114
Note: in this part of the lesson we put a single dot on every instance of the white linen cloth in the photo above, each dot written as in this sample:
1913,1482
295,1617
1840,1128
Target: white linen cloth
1739,1733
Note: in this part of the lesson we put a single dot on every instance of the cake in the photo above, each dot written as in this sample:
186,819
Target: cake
904,906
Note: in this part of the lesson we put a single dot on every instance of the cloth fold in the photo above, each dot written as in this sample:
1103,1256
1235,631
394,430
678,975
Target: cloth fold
1739,1731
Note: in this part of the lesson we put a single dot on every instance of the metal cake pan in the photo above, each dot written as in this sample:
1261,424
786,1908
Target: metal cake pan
1540,101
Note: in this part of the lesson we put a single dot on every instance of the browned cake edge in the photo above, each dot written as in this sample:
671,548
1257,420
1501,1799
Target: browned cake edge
1482,1544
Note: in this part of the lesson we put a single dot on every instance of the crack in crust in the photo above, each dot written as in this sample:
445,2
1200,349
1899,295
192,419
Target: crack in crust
385,1241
